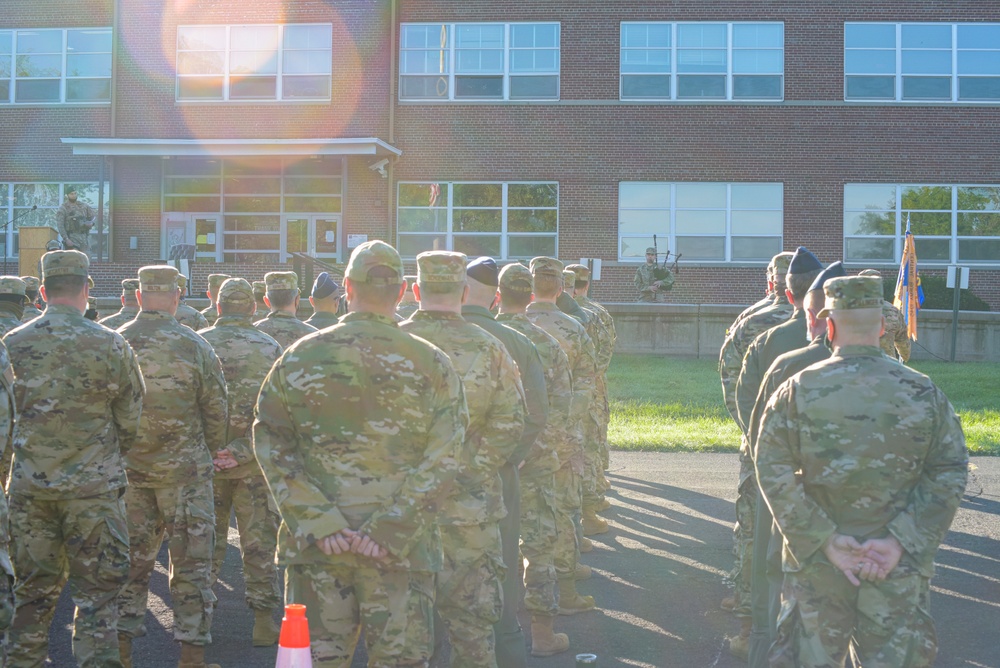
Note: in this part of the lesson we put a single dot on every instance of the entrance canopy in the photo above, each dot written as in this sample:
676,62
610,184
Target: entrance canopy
220,148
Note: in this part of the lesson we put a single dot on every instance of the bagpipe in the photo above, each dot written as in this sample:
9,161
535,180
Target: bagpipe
660,270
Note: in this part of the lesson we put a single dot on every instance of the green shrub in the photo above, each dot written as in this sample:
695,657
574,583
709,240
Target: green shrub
936,295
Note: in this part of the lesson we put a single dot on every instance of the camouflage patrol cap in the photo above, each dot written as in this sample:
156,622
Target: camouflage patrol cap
65,263
545,265
373,254
236,291
835,270
441,267
779,266
581,271
31,283
848,293
130,285
11,285
569,279
182,282
515,277
215,281
259,289
870,272
158,278
281,280
651,250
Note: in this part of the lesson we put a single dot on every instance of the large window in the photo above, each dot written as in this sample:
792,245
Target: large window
254,62
262,207
479,61
502,220
922,62
702,61
55,66
17,200
708,222
950,223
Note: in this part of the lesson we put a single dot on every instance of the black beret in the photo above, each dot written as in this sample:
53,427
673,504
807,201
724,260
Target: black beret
835,270
484,269
803,262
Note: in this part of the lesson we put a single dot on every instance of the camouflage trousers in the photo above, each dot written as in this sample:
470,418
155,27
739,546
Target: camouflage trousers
84,541
884,624
567,509
395,608
603,417
510,650
185,515
469,599
6,588
746,510
257,522
593,461
538,544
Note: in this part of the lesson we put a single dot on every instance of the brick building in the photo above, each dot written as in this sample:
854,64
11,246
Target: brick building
253,130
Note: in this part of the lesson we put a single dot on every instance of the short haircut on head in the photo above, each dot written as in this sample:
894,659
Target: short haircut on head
814,300
859,320
443,289
236,308
799,284
378,294
282,298
514,298
65,285
547,286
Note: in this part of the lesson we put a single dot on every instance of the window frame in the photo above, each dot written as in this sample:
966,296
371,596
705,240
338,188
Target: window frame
899,76
505,208
449,60
11,35
670,223
900,213
228,76
10,236
674,75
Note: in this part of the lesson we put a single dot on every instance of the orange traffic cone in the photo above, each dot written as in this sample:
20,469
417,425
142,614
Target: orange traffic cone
293,645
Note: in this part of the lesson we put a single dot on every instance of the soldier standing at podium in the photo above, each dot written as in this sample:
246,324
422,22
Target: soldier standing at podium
75,219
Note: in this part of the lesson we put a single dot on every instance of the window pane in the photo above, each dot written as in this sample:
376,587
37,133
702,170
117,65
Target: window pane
926,62
39,41
6,44
422,220
870,197
871,88
254,38
634,247
758,35
253,62
701,195
250,258
533,35
311,36
647,86
933,250
193,167
190,186
757,62
869,249
526,247
869,62
476,220
645,61
201,62
84,41
757,87
88,90
307,62
870,35
643,195
756,222
423,88
39,66
534,87
929,198
479,61
697,61
419,194
922,222
201,38
36,194
88,65
532,220
927,88
986,198
756,196
420,36
411,245
646,35
701,34
755,248
200,88
314,204
700,222
305,87
252,186
473,35
701,87
917,35
477,245
252,204
978,36
5,67
253,88
532,194
41,90
979,88
319,185
479,87
478,194
534,61
182,203
252,224
979,250
870,222
702,248
643,221
979,62
423,62
979,224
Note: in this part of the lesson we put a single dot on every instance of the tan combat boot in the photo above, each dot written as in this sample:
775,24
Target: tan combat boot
125,650
265,629
543,641
603,505
570,602
728,603
193,656
592,524
739,645
586,545
583,572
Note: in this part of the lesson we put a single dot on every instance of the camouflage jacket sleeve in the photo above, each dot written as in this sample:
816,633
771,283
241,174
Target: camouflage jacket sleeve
584,378
212,400
921,527
126,405
61,223
748,385
404,522
501,435
903,344
730,363
802,521
536,401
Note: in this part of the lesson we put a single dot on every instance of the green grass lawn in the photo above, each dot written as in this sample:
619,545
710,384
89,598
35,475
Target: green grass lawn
671,404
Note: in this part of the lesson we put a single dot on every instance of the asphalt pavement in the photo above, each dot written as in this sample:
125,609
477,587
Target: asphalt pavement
659,575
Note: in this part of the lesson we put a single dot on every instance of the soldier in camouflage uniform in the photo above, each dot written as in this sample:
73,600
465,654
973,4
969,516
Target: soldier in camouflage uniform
547,284
78,415
408,305
8,412
247,354
12,302
31,285
546,527
75,219
211,312
130,306
895,342
259,290
282,298
483,279
738,338
646,283
188,315
864,464
469,600
358,487
325,300
170,468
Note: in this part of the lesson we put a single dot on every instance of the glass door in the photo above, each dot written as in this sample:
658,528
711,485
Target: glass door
318,236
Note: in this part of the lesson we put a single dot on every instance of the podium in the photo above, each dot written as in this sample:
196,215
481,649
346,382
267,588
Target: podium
32,241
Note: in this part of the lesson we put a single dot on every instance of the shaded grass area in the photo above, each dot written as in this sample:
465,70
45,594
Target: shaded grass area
674,404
